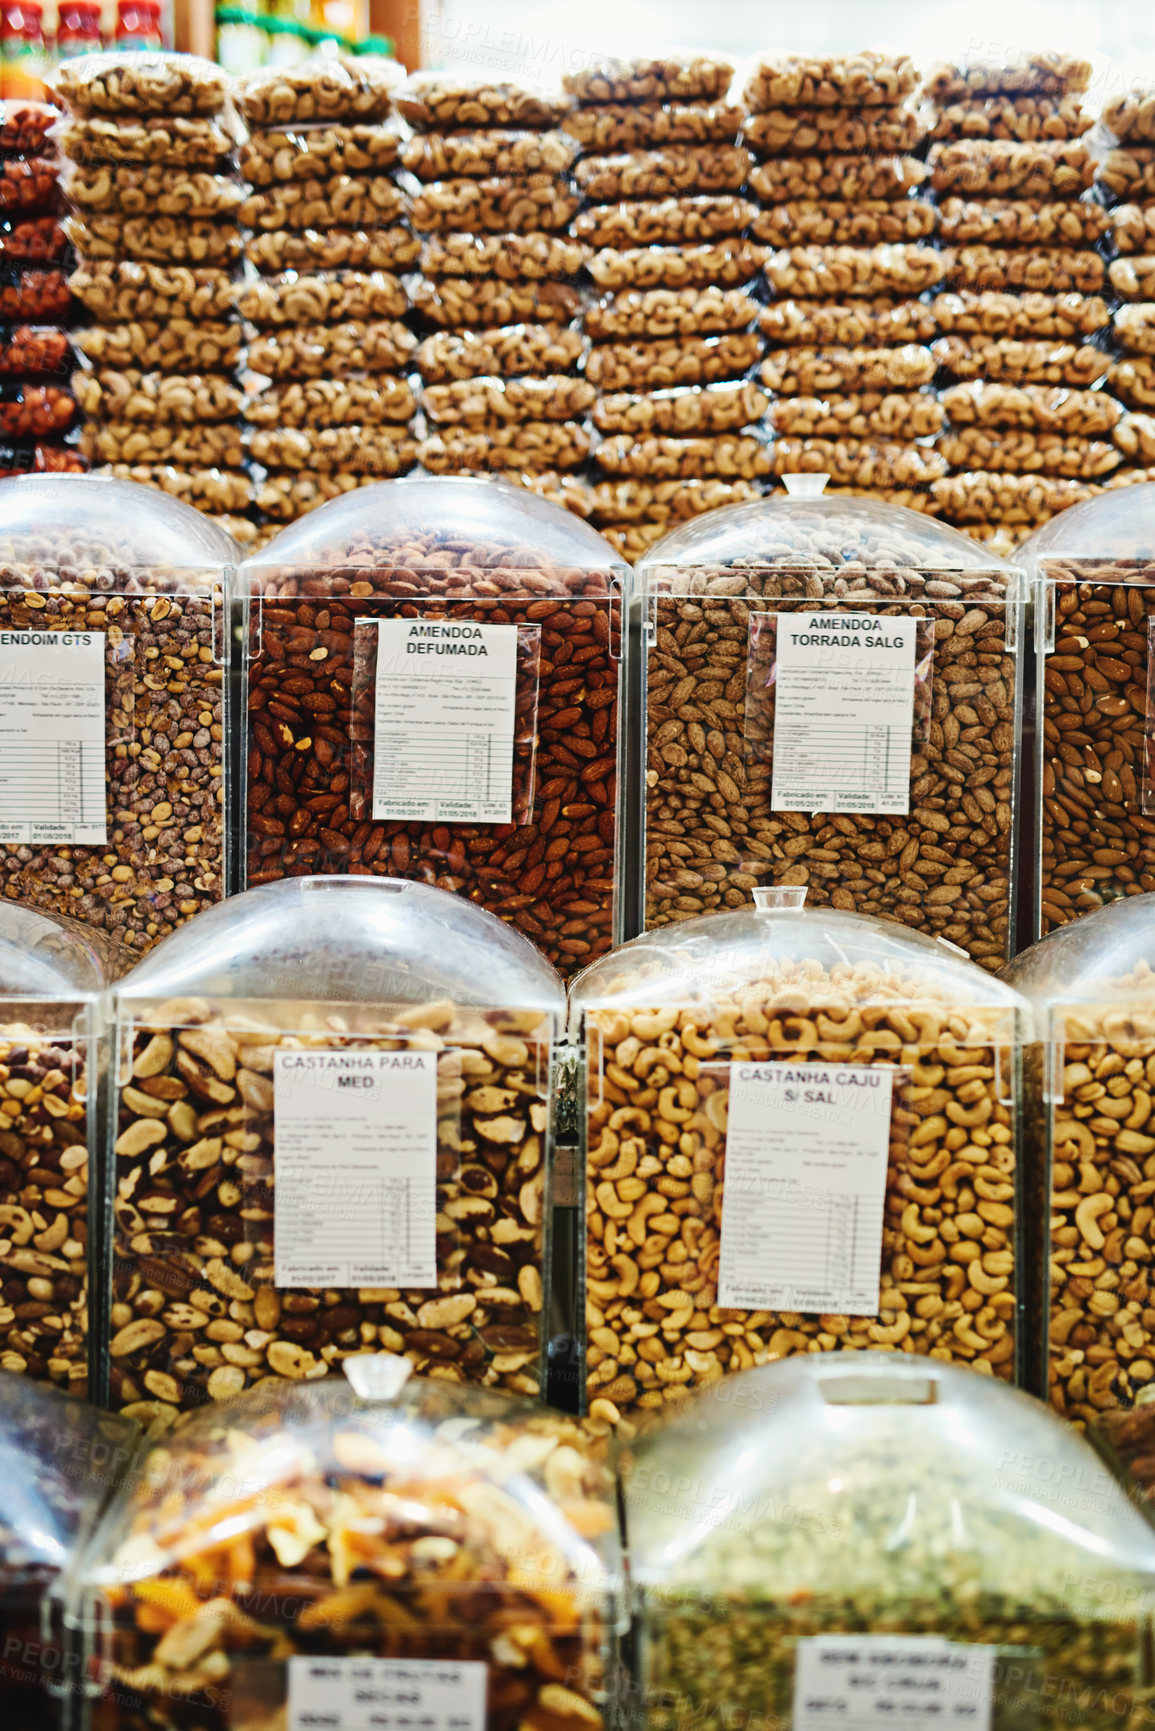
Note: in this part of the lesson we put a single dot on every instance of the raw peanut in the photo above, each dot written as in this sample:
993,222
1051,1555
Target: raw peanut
984,498
476,155
1027,74
993,314
1040,362
867,80
803,132
651,78
272,155
1024,118
645,125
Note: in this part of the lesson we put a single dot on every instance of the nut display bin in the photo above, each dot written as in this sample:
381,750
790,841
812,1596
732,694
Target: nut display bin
111,615
331,1132
449,1545
60,1459
801,1135
51,975
1094,571
433,671
832,698
893,1532
1092,1085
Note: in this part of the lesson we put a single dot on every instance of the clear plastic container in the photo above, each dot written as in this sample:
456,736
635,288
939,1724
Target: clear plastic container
874,762
111,614
321,1541
491,770
51,976
853,1089
1091,1081
898,1534
332,1137
1094,806
60,1460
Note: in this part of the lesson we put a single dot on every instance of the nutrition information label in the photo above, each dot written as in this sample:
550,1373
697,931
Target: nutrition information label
52,738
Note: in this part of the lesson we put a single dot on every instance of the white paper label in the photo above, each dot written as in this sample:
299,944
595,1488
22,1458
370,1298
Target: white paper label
843,712
355,1202
443,733
52,737
806,1158
867,1682
386,1695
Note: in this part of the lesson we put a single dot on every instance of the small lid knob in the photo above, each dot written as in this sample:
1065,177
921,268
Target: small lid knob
805,486
377,1375
776,897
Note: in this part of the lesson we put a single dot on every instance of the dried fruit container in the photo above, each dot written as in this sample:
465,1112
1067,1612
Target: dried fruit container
832,698
331,1132
433,672
52,973
112,649
1094,812
1092,1086
60,1461
444,1552
787,1572
801,1135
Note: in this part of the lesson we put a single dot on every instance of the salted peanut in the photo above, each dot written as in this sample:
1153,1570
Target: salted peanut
478,155
499,204
1135,437
164,139
324,87
991,313
1035,408
644,125
981,497
332,351
284,498
1037,74
1019,222
206,489
668,312
272,155
506,256
1131,116
841,177
867,463
652,78
130,290
836,223
1044,362
656,457
328,297
154,240
332,402
832,272
665,502
498,402
814,372
847,132
166,345
688,409
1133,381
879,323
456,303
341,201
663,222
982,167
1055,270
157,397
533,349
389,249
725,264
1133,279
861,415
155,190
1133,228
1025,453
354,450
149,82
535,446
868,80
1134,328
194,446
1025,118
661,173
674,361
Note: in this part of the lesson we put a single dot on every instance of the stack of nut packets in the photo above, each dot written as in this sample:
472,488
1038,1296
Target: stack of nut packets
1028,432
843,209
328,402
37,408
1124,146
671,319
492,199
148,140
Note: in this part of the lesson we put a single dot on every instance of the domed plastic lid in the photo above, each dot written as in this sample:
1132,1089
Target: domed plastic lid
50,959
1106,957
430,523
339,1481
59,1460
355,940
814,955
865,1479
832,537
62,521
1116,528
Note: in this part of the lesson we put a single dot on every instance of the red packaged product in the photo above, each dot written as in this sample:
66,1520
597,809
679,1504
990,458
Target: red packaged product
34,294
32,411
28,186
35,240
40,460
30,349
24,128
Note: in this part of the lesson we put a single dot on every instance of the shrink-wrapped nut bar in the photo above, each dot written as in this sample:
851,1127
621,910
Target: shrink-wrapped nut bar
433,671
1003,1572
1092,988
331,1126
326,229
766,626
149,181
495,1599
758,1093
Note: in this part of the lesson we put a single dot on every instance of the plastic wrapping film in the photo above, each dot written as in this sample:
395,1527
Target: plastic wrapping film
275,155
1042,361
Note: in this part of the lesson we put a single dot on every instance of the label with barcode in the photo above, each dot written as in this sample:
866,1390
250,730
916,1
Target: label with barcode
355,1202
807,1147
867,1682
52,737
843,712
386,1694
444,721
